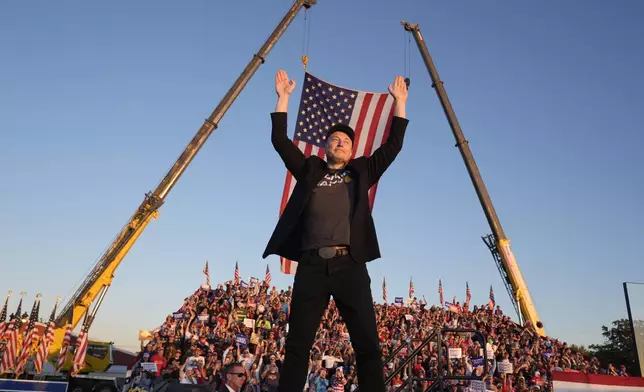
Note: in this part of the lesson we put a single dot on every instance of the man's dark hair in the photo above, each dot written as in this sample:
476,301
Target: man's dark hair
231,366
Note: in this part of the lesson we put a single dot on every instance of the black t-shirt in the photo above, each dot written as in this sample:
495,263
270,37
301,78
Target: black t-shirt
327,214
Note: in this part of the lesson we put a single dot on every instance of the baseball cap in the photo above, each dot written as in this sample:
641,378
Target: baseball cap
339,127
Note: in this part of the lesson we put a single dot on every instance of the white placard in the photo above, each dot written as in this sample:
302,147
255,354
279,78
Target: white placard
505,367
455,352
478,386
250,323
490,351
149,367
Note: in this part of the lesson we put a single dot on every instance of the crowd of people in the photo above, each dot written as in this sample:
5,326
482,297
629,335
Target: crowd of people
247,324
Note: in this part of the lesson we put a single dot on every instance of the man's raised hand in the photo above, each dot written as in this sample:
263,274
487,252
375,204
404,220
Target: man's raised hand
399,89
283,86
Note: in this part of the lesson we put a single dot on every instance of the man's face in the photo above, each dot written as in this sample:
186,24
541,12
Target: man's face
339,148
236,377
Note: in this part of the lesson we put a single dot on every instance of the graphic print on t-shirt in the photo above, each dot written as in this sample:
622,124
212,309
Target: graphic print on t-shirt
326,216
335,178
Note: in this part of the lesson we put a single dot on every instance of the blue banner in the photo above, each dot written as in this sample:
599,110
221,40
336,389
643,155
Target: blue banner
29,385
477,361
241,339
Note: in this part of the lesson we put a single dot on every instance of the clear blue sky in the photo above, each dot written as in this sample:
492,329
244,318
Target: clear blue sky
97,99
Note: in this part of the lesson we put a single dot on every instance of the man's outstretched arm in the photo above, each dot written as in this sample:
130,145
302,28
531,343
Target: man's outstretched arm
292,157
380,160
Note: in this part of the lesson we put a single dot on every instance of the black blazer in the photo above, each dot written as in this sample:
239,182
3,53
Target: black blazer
308,171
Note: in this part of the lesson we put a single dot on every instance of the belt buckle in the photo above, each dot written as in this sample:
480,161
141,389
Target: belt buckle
328,252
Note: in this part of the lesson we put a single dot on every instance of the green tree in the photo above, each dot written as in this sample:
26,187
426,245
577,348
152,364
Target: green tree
583,349
618,347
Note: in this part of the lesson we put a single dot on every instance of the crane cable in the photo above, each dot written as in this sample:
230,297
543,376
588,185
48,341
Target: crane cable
407,57
306,39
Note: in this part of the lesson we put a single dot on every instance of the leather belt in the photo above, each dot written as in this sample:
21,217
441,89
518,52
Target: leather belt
329,252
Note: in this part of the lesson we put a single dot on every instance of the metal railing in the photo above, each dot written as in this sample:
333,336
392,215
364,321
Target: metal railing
436,336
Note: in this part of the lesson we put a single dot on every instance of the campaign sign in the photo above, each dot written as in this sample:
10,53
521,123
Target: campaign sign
478,386
149,366
241,339
477,361
505,367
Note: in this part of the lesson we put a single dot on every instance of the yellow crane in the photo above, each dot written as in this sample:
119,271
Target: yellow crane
98,281
497,242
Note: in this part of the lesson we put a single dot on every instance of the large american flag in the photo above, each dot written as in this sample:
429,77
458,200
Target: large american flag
411,288
11,335
46,341
323,105
440,292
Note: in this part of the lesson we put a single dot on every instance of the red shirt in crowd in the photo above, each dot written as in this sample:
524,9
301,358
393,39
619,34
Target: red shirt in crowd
161,362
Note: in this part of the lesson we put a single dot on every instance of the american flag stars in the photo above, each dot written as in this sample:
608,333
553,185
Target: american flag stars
323,106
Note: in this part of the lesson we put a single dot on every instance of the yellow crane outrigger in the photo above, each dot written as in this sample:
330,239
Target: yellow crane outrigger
96,284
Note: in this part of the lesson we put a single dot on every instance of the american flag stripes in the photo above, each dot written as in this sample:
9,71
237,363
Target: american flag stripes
46,340
207,273
11,335
440,292
3,316
267,278
30,339
492,302
236,281
468,296
67,340
323,105
411,288
80,351
384,291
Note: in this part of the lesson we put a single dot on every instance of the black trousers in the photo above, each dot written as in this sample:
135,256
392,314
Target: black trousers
349,283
